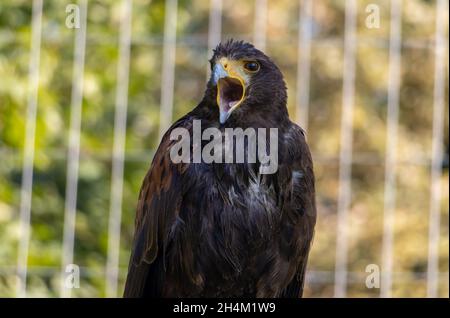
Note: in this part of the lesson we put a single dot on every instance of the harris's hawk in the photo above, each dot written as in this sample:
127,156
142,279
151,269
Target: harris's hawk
225,229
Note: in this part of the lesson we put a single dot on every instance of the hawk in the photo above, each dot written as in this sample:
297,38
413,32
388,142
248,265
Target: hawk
227,229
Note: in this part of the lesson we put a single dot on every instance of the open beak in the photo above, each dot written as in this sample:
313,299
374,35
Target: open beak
230,88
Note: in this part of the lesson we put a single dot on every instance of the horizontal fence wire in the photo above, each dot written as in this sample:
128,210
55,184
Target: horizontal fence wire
144,155
312,276
200,40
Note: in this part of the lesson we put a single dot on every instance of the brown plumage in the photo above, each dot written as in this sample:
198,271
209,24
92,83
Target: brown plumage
224,229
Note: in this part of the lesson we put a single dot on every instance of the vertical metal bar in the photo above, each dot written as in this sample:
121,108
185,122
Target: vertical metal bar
391,146
120,120
214,29
304,62
28,157
345,165
73,152
437,151
259,31
168,66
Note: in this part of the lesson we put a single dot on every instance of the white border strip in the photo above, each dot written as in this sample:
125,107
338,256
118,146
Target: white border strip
437,151
304,62
73,152
391,146
168,66
260,24
120,121
28,157
345,164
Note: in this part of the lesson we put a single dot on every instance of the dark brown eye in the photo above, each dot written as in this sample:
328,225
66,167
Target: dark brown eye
251,66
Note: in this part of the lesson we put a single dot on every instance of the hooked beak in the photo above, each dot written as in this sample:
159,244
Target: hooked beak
230,88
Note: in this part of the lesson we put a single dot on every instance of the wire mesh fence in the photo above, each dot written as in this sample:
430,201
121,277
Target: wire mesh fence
373,100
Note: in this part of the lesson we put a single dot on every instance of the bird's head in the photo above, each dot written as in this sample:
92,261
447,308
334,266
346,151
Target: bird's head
245,82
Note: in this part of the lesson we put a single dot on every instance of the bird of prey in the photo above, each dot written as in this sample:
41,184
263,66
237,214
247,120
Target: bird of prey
226,229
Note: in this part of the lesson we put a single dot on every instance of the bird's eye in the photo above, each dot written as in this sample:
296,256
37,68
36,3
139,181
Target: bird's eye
251,66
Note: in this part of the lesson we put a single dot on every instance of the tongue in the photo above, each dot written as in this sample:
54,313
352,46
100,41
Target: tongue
231,104
227,106
224,111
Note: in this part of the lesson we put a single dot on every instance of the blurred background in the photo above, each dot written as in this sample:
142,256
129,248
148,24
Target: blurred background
82,109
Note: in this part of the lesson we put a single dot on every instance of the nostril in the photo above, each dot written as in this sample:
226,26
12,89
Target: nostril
226,66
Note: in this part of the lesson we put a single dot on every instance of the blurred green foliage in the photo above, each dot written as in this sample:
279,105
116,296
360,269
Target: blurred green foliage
369,148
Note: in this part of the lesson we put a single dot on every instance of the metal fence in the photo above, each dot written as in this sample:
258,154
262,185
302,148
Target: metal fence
302,100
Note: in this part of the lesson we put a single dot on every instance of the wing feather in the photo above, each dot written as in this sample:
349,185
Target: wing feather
300,208
157,210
